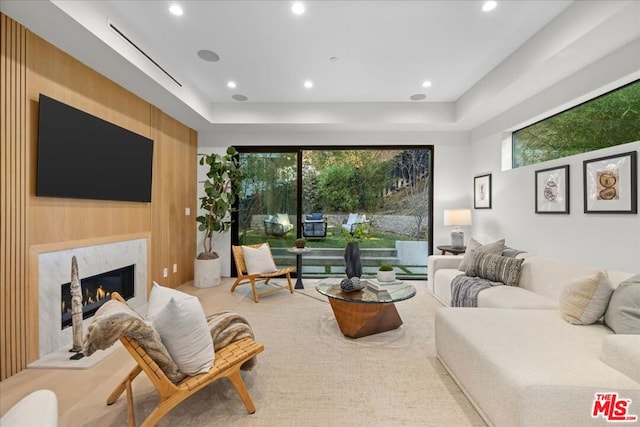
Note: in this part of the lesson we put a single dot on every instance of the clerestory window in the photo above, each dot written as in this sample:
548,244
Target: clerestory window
606,121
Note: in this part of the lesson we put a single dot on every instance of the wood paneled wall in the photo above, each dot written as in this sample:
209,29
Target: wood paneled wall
14,206
31,66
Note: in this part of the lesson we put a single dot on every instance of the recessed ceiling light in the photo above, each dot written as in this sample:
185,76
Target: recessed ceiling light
489,5
239,97
418,97
297,8
308,84
176,10
231,84
208,55
426,83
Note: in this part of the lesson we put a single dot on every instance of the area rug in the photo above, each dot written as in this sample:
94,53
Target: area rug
311,375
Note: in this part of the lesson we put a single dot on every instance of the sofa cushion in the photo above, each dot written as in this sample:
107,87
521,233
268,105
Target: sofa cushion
477,347
258,260
623,312
548,276
496,268
622,352
442,284
584,301
514,297
495,248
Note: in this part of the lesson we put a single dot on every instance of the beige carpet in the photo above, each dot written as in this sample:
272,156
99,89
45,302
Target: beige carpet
308,375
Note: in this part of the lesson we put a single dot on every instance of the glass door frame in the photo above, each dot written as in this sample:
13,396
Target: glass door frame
298,150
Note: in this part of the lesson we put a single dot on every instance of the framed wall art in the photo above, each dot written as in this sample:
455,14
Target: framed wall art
610,184
482,192
552,190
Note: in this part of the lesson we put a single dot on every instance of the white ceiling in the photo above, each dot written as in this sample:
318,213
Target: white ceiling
384,51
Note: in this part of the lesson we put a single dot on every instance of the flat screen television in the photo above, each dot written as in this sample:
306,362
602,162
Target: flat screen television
81,156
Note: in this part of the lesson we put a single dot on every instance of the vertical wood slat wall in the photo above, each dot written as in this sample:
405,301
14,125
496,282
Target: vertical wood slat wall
31,66
13,198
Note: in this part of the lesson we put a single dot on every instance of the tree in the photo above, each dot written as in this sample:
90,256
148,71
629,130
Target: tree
609,120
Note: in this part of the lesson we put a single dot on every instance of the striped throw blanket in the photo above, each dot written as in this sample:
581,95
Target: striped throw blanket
465,290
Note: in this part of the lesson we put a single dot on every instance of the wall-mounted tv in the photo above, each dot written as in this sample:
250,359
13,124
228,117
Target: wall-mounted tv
81,156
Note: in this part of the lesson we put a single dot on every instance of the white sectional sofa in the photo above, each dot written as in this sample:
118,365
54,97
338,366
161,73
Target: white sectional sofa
519,362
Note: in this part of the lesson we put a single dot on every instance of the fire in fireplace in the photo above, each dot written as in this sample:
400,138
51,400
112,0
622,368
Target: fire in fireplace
96,290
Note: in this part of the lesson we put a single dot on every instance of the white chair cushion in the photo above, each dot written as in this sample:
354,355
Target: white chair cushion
353,218
258,260
283,219
39,408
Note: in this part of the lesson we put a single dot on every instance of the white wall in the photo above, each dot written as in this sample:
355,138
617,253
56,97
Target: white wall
609,241
452,163
605,240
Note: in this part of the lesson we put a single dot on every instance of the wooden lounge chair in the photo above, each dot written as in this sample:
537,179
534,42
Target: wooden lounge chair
244,277
227,364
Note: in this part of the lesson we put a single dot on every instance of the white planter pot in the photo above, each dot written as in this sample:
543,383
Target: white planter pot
206,273
386,276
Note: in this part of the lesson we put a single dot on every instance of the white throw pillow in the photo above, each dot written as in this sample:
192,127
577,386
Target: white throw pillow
183,328
159,298
583,301
258,260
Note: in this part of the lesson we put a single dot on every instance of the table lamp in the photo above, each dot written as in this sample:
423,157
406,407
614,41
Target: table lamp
457,218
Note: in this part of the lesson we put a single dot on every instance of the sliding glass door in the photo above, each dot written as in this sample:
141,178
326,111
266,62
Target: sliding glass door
268,207
319,194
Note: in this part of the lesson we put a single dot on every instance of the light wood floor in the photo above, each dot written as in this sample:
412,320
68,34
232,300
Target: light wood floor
85,390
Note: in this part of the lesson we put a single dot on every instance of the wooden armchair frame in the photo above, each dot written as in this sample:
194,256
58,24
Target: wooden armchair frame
244,277
228,361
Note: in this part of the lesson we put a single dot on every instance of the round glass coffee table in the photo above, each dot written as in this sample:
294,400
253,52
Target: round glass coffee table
365,312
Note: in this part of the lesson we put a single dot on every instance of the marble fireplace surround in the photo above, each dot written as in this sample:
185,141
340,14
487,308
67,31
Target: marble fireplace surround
54,269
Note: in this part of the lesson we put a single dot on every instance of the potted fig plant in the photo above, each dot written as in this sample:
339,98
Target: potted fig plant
386,273
221,190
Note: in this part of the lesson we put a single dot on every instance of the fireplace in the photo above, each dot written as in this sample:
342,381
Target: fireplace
96,290
93,258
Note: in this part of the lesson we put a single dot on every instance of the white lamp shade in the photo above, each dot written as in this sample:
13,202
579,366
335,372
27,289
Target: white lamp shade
457,217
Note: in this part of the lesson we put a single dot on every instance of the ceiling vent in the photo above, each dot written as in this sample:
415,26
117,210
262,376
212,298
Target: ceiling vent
128,40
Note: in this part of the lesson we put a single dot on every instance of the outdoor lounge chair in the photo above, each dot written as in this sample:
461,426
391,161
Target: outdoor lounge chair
315,225
277,225
352,222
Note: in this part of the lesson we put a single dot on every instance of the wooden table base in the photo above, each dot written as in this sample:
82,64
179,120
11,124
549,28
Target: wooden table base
360,320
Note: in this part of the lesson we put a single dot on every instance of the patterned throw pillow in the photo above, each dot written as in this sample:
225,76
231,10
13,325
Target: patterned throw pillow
583,301
492,248
496,268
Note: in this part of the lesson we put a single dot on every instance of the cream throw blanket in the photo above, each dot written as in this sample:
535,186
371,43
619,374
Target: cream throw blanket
114,320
